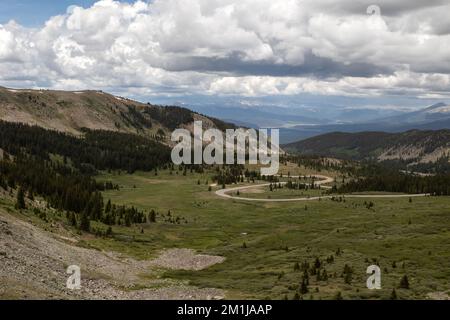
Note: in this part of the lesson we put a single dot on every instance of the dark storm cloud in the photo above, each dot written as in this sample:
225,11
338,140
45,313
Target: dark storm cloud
313,66
388,7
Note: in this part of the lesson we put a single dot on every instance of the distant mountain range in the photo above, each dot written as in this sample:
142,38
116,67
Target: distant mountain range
412,146
383,139
435,117
298,119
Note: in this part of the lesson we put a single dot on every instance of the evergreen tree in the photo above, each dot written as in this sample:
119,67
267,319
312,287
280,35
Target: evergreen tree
20,203
152,216
304,286
348,274
317,263
72,219
108,207
85,223
393,295
404,282
348,278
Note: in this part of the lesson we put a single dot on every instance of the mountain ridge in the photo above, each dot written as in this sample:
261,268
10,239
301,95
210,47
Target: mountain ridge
412,146
434,117
71,111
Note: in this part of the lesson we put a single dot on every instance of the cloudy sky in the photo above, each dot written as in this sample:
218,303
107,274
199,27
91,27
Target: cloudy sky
242,48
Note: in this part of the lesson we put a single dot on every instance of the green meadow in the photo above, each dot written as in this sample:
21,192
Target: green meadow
263,242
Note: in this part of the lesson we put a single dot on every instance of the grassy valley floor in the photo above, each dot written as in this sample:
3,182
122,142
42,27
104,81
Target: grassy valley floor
262,242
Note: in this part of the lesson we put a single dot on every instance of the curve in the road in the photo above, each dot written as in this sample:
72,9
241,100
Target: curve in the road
224,192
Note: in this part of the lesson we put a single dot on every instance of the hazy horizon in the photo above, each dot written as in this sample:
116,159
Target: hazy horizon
197,53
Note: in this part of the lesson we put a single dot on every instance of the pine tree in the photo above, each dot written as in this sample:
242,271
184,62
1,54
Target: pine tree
127,220
153,216
318,276
348,278
30,195
393,295
404,282
348,274
317,263
306,277
85,223
108,207
20,203
304,286
72,220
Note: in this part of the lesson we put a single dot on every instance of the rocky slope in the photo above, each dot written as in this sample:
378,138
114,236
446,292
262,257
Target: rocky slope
33,264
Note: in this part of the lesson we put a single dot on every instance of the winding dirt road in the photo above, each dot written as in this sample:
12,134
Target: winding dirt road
224,193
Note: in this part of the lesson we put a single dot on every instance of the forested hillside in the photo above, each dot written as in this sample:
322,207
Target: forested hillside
59,168
97,149
387,179
411,146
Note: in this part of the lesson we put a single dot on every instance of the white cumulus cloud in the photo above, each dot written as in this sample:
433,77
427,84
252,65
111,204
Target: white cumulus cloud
246,47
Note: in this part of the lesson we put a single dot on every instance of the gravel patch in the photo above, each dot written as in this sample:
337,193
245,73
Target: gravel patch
186,259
